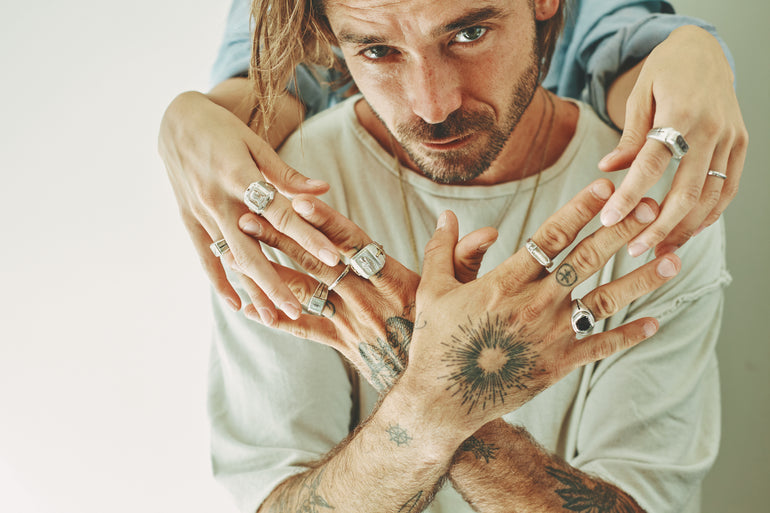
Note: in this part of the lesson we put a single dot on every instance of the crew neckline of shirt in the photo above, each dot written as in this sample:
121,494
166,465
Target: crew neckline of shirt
465,191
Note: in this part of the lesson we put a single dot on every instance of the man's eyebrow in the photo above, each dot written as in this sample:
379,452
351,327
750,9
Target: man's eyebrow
470,19
474,17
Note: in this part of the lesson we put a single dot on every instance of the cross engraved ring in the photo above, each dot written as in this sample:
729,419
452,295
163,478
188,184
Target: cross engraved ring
369,261
717,174
338,279
538,254
583,319
317,303
219,248
673,140
258,196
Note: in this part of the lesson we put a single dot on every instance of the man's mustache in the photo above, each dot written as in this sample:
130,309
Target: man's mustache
458,124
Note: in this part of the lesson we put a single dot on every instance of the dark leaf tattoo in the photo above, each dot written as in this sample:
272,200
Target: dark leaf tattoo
566,275
479,449
411,504
398,435
387,359
487,360
581,496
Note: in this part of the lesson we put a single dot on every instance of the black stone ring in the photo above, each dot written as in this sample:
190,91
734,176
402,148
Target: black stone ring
583,319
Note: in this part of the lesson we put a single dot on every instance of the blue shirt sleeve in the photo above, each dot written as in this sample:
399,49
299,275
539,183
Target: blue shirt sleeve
601,40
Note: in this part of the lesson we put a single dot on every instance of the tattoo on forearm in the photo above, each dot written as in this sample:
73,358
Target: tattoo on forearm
303,494
590,497
479,449
411,504
312,501
398,435
566,275
487,360
387,359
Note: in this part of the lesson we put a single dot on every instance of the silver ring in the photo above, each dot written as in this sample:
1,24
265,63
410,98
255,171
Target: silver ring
717,174
673,140
219,248
258,196
583,320
369,261
337,281
538,254
317,303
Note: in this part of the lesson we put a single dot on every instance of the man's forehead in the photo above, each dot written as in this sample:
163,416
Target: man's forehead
357,17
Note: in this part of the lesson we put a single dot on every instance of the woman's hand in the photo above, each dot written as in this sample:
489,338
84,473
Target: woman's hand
485,348
370,322
211,157
685,83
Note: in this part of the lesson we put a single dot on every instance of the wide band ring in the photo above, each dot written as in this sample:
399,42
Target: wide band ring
717,174
317,303
219,248
583,320
538,254
369,261
673,140
258,196
338,279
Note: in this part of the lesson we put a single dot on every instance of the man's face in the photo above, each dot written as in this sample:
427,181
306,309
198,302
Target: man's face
450,79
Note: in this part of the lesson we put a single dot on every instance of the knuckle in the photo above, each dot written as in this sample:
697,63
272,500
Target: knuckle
586,259
711,197
553,239
730,190
281,218
653,166
605,305
686,197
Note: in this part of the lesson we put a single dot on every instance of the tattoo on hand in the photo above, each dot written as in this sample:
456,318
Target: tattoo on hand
566,275
487,360
398,435
479,449
387,360
411,504
580,496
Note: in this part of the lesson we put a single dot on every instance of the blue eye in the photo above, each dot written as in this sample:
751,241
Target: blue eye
376,52
470,34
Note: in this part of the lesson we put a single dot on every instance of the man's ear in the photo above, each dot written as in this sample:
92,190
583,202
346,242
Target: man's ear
545,9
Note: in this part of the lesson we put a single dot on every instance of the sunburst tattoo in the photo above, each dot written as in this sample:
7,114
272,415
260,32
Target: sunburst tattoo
487,360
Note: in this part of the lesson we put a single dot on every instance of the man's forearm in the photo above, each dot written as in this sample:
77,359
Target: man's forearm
502,469
394,462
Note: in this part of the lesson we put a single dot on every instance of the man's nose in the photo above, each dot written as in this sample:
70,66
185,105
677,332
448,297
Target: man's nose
434,89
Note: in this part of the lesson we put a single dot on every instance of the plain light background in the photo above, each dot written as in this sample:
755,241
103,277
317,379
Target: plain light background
104,324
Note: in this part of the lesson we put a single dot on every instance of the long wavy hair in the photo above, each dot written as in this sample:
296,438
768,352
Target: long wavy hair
292,32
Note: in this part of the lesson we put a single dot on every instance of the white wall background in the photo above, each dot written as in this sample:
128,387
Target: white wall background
103,308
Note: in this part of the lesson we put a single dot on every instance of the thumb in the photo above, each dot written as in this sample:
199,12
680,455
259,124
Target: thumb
638,121
287,180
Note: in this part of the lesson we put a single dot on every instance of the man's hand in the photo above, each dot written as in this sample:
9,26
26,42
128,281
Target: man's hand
370,322
211,157
485,348
686,84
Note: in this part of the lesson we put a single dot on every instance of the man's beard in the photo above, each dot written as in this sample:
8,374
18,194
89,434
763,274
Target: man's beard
470,161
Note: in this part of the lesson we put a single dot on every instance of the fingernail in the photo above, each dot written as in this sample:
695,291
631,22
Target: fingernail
303,207
608,157
602,190
441,221
232,304
329,258
291,310
666,268
610,216
310,182
643,213
266,316
252,228
637,248
650,328
484,247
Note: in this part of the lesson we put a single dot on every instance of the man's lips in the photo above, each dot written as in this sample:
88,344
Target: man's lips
449,143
